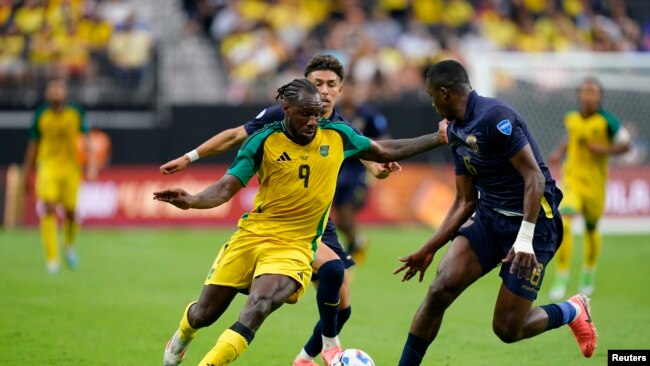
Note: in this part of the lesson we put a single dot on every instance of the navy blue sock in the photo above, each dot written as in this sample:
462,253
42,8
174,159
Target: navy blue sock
327,296
413,351
559,314
315,343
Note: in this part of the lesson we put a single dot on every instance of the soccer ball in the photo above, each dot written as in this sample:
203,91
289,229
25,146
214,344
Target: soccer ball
352,357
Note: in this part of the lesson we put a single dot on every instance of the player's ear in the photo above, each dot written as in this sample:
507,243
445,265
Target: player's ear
445,92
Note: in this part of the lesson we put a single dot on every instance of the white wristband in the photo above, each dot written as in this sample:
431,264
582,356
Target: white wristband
193,155
524,241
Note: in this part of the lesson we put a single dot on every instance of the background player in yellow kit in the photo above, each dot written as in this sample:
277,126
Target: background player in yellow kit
53,137
297,161
592,135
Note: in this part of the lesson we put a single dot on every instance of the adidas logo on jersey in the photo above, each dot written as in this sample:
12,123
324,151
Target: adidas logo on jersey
284,157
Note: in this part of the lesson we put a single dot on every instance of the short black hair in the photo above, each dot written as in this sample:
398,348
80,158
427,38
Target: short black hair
290,92
449,74
592,80
325,62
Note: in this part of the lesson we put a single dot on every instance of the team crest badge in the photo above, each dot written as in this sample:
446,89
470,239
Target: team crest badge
324,150
471,142
505,127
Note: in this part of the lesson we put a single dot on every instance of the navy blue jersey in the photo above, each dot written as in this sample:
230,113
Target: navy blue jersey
372,124
490,134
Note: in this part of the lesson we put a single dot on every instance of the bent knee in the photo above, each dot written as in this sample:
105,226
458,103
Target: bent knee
202,316
507,333
332,271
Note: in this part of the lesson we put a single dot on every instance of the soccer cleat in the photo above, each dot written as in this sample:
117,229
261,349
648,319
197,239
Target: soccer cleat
583,327
175,350
303,362
360,250
329,354
587,283
71,258
558,290
52,267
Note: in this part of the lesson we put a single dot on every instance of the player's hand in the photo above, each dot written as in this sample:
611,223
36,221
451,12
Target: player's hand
523,263
442,131
554,159
175,165
414,263
176,196
385,169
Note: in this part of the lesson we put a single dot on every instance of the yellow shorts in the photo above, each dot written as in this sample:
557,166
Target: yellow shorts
584,200
248,255
54,186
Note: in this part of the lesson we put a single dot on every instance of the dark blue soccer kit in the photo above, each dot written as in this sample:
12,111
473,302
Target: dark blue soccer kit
490,134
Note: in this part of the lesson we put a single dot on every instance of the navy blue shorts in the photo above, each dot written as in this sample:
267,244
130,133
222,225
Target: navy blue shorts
350,193
330,239
492,234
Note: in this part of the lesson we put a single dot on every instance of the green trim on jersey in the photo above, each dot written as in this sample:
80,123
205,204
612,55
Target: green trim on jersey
249,156
353,143
319,231
33,130
613,123
84,127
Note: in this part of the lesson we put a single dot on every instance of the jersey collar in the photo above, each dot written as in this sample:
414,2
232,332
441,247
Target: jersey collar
471,103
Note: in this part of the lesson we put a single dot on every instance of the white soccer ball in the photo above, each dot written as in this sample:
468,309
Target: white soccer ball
352,357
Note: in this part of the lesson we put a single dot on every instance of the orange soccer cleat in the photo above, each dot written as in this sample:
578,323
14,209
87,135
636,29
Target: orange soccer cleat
583,327
329,354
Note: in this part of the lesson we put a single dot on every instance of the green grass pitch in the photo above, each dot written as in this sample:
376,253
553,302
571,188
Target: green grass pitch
125,300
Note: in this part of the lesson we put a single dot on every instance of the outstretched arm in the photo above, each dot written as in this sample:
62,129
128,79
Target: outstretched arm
461,209
558,153
223,141
213,196
393,150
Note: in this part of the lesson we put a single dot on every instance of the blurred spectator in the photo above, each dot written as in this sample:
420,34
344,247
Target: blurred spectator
30,17
129,51
12,46
6,9
115,11
388,42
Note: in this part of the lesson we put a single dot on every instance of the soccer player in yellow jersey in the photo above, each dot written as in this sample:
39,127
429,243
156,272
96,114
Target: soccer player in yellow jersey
297,161
52,149
592,135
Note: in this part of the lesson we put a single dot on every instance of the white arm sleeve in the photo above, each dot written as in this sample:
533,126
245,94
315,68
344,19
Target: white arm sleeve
622,136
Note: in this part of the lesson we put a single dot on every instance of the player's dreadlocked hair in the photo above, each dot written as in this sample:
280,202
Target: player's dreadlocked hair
290,93
325,62
449,74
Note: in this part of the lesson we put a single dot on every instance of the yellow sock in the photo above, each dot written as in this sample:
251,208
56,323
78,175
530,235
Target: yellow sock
563,255
70,230
592,249
186,331
229,346
48,236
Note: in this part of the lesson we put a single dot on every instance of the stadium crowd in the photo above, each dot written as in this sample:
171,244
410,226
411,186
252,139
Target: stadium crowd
386,44
74,39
